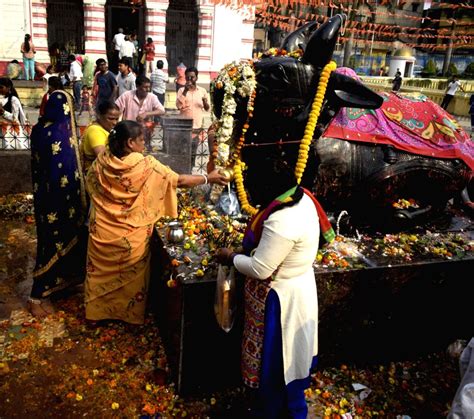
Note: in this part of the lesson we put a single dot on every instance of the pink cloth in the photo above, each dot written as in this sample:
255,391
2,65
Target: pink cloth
130,105
191,105
411,123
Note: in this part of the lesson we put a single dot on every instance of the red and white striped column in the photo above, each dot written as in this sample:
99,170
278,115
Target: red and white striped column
204,42
155,28
94,29
247,35
40,30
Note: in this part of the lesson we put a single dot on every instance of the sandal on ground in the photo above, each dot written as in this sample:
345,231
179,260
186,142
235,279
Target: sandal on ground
40,308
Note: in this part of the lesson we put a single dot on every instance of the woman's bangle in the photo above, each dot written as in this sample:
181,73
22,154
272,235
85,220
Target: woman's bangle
206,179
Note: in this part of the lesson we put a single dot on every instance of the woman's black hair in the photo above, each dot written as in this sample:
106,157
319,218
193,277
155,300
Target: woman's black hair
6,82
103,107
27,46
119,136
269,174
55,81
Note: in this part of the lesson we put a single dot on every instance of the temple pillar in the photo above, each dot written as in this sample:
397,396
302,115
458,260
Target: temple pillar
40,30
204,43
94,29
155,28
248,24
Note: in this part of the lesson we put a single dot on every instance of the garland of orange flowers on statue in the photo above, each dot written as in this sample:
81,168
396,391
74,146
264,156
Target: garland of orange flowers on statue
304,145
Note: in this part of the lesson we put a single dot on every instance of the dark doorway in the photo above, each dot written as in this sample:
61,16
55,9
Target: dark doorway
181,33
119,14
65,20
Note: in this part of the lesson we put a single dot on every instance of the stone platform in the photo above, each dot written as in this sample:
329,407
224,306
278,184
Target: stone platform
367,314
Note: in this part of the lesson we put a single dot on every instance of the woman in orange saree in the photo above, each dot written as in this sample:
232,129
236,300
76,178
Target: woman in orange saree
129,193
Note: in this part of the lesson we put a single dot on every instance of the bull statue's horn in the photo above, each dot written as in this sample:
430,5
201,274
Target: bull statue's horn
299,38
321,45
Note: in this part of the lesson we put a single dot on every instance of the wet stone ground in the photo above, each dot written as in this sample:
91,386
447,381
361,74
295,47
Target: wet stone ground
62,367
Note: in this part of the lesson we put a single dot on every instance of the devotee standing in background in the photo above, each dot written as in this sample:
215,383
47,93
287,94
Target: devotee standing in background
158,82
12,116
127,49
149,50
117,43
28,51
451,90
192,101
140,105
125,78
75,76
180,79
105,82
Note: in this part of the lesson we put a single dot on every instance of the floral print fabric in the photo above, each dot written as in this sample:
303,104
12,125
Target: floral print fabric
127,197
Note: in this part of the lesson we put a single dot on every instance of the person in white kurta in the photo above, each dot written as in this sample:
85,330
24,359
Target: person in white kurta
286,253
12,118
282,262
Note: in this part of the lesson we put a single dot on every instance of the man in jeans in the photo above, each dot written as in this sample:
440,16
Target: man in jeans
158,82
75,76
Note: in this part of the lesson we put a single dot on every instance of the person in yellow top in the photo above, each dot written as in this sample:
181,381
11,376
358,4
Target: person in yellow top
96,135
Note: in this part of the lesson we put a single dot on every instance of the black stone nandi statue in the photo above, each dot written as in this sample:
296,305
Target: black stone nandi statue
381,157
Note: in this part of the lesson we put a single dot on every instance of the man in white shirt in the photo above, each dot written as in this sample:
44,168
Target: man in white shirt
125,78
127,49
158,82
119,37
75,76
451,90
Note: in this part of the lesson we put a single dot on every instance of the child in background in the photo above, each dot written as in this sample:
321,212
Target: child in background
54,83
85,101
47,75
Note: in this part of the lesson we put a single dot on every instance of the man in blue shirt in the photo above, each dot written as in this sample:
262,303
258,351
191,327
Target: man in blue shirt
106,83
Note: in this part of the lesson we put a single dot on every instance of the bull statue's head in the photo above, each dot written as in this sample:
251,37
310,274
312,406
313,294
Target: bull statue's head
286,85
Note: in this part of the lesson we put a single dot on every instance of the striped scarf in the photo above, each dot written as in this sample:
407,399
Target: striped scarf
254,229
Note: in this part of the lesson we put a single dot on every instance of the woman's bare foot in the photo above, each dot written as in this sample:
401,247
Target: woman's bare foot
40,308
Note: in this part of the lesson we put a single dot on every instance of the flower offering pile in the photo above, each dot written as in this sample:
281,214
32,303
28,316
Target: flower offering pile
205,230
391,249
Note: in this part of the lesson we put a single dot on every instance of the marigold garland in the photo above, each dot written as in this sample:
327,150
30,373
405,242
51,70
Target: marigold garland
312,120
304,146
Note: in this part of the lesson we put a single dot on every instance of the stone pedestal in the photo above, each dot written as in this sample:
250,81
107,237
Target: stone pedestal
177,143
366,315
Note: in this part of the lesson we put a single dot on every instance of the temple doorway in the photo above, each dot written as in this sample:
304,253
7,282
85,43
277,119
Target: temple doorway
181,33
65,20
121,14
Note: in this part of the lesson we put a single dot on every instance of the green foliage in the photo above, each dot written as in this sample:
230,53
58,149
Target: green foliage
469,71
452,70
430,69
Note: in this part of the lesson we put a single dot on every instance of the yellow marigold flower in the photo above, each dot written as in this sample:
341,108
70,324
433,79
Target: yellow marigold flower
78,397
115,406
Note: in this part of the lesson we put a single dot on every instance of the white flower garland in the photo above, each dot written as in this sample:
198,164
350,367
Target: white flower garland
234,78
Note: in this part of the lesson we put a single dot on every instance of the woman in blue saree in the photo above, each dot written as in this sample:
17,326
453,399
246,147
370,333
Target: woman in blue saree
59,202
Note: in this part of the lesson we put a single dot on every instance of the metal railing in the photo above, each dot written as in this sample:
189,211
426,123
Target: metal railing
16,137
